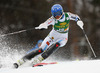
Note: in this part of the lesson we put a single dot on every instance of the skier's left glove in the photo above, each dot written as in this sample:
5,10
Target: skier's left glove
42,26
80,24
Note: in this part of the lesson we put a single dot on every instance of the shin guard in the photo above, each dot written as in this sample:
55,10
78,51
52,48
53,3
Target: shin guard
32,54
50,50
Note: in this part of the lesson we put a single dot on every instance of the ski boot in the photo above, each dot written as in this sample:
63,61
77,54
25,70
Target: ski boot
38,60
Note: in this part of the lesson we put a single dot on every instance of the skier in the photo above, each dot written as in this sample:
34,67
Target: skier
58,36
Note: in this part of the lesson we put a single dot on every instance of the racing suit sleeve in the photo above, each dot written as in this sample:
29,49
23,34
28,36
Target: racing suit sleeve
72,16
50,21
77,19
45,25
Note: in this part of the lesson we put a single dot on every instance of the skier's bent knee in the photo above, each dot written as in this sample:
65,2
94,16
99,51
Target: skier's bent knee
50,50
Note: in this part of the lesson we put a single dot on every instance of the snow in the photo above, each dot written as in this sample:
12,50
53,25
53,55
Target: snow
89,66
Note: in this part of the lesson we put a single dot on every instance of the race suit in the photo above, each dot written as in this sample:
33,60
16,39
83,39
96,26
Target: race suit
58,37
59,33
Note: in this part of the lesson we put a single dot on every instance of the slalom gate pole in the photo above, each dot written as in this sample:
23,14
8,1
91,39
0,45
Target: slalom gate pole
89,43
16,32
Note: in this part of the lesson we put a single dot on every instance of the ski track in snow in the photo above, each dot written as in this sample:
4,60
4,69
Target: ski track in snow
89,66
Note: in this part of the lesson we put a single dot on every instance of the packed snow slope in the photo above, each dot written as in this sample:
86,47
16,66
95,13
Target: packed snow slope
92,66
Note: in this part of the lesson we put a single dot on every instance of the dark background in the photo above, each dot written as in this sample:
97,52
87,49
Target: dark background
16,15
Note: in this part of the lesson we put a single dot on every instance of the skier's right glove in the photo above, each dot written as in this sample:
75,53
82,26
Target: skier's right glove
42,26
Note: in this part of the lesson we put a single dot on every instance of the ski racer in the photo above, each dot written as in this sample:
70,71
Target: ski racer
57,38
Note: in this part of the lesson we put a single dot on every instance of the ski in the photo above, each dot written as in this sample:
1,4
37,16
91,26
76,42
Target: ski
42,64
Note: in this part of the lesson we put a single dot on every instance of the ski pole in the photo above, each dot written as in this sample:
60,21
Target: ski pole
89,43
16,32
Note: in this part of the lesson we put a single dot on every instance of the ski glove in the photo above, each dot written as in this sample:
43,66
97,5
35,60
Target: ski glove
42,26
80,24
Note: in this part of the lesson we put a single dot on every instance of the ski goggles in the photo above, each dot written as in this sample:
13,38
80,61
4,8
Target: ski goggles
57,14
